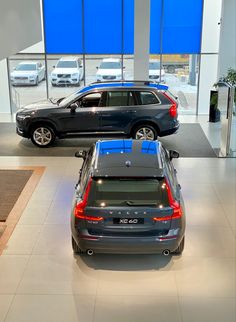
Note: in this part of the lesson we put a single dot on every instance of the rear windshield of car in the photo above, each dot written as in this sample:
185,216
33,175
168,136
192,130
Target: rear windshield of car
154,65
128,192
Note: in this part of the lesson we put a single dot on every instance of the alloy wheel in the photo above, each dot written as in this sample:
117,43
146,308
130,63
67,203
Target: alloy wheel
145,133
42,136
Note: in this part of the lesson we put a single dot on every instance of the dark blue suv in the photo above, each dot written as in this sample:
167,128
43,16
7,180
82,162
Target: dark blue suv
138,109
128,200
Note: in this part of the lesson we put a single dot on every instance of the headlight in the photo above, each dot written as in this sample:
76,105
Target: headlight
99,76
32,76
75,75
21,117
54,75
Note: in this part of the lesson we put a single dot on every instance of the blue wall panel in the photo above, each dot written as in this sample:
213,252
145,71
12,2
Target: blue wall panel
63,26
103,26
155,26
128,27
182,23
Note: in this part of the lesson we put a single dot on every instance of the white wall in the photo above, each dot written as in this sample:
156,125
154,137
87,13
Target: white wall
227,51
209,50
20,25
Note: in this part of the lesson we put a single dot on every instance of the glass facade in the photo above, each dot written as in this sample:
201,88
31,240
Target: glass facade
96,34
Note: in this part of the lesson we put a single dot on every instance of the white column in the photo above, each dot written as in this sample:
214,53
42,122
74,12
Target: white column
4,88
209,52
227,50
141,39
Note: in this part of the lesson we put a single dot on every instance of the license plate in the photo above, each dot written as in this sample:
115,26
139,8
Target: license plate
128,221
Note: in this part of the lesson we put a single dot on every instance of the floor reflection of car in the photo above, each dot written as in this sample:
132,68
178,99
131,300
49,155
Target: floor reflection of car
128,200
142,110
28,73
155,71
68,71
109,69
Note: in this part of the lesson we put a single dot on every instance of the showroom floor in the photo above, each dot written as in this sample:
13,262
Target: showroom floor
41,280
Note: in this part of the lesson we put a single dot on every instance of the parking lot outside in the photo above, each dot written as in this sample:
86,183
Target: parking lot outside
178,81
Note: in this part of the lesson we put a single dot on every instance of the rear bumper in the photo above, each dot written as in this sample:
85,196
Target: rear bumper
130,245
170,131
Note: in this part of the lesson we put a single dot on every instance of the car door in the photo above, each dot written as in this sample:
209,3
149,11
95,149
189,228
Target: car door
118,112
85,118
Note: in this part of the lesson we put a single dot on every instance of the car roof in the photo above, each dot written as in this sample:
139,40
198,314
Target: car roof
127,158
116,60
28,62
134,84
69,58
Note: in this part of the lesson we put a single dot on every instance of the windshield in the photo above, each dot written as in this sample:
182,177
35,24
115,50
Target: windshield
66,64
128,192
26,67
68,99
110,65
154,65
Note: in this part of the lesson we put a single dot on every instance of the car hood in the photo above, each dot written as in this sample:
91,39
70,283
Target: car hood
65,70
38,106
109,72
24,73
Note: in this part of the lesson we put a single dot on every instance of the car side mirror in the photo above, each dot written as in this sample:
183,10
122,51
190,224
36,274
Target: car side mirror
73,107
80,66
81,154
53,66
173,154
123,67
97,67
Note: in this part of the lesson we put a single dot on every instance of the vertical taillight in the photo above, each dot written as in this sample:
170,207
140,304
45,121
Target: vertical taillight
177,211
173,109
80,207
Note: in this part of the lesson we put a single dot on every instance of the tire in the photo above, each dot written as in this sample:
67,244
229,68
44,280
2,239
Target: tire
171,69
180,249
42,135
75,247
145,132
36,81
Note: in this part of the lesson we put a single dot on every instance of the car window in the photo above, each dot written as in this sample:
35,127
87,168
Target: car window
148,98
91,100
120,98
123,192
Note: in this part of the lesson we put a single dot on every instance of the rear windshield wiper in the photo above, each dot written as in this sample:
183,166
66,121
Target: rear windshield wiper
139,203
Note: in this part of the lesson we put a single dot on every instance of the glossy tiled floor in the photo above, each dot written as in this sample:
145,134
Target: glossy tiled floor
41,280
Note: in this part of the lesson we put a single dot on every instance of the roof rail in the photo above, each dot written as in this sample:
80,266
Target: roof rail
142,82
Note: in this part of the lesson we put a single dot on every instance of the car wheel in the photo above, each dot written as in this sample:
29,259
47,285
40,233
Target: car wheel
171,69
43,136
145,132
180,249
75,247
36,81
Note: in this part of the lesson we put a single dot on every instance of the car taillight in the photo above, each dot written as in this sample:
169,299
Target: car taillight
173,108
80,207
177,211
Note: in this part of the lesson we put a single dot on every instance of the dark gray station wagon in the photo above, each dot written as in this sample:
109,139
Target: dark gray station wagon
141,110
128,200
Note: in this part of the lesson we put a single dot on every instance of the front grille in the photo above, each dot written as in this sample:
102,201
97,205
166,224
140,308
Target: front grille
21,78
149,233
109,77
154,76
63,75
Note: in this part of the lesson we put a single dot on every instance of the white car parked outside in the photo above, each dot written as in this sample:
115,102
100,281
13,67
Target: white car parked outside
28,73
68,71
109,69
154,71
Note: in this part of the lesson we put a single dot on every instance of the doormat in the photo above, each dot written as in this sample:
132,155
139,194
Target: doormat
17,185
